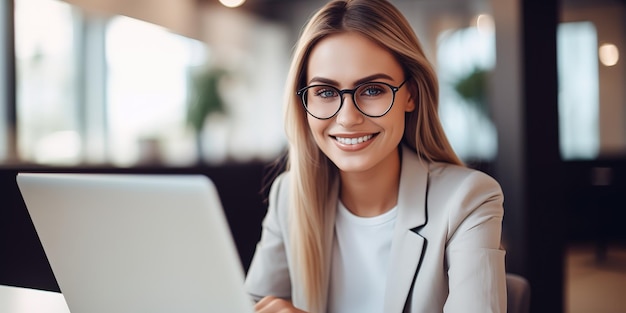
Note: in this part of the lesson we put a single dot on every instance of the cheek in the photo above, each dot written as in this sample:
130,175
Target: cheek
316,127
396,122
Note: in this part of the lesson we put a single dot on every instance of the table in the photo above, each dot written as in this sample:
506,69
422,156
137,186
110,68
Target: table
26,300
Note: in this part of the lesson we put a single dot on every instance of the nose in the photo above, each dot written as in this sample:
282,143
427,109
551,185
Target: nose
349,115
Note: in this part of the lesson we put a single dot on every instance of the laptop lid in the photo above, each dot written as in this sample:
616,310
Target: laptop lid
136,243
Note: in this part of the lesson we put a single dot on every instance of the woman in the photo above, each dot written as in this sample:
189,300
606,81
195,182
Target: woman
375,212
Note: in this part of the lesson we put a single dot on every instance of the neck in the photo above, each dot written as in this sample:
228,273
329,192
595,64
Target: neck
372,192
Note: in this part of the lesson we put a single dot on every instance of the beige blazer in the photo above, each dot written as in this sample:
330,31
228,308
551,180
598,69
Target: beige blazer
445,252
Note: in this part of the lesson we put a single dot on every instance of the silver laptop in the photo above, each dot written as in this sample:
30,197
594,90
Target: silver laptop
136,243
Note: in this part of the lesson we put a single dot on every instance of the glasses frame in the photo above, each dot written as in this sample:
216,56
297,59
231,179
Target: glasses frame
342,92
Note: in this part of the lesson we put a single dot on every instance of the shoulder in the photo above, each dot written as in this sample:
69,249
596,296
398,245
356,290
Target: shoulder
444,184
280,185
444,175
279,197
458,192
464,196
453,177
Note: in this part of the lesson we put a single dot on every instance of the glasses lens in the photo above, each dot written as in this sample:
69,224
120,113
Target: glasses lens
321,101
374,99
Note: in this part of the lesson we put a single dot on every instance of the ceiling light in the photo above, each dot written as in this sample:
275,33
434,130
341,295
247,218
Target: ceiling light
232,3
608,54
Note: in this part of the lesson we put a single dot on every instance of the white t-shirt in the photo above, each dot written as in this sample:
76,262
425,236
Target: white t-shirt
360,261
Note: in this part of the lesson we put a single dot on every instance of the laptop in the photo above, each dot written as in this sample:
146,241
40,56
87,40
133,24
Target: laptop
136,242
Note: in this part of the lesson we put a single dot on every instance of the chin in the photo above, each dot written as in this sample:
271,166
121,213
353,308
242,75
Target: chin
352,166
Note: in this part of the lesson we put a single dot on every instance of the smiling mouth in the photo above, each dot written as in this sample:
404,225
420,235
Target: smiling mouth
355,140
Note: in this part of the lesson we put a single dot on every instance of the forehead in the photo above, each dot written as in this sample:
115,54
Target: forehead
347,57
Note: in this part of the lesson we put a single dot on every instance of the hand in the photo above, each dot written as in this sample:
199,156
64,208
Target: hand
272,304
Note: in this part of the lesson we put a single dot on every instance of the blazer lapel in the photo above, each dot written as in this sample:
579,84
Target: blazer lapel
407,245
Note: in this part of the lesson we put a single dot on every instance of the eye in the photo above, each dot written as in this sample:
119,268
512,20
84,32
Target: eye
372,90
325,92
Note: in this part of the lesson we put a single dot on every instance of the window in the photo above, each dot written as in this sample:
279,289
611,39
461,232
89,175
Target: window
578,90
148,69
465,58
47,112
115,90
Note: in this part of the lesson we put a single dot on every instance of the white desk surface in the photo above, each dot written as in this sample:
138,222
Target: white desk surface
23,300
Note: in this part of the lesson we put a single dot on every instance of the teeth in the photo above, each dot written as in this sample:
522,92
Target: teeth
354,141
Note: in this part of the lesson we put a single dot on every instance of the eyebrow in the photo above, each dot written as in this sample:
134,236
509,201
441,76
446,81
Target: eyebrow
369,78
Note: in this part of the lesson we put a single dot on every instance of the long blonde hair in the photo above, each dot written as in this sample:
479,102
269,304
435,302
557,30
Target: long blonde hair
312,174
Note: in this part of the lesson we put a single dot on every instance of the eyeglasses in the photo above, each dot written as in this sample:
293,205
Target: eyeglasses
373,99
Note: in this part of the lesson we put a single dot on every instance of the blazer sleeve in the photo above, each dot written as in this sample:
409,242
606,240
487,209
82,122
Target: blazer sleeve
268,273
476,270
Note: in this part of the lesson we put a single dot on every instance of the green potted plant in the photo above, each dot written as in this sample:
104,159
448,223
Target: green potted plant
204,100
473,89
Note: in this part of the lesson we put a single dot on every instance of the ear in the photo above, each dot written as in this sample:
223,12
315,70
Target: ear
410,105
411,98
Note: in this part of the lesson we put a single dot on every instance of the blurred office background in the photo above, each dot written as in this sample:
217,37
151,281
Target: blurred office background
532,92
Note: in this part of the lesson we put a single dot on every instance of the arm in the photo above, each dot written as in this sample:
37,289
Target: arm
476,272
269,272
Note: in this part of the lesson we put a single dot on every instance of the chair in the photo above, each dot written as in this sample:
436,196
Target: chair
518,294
